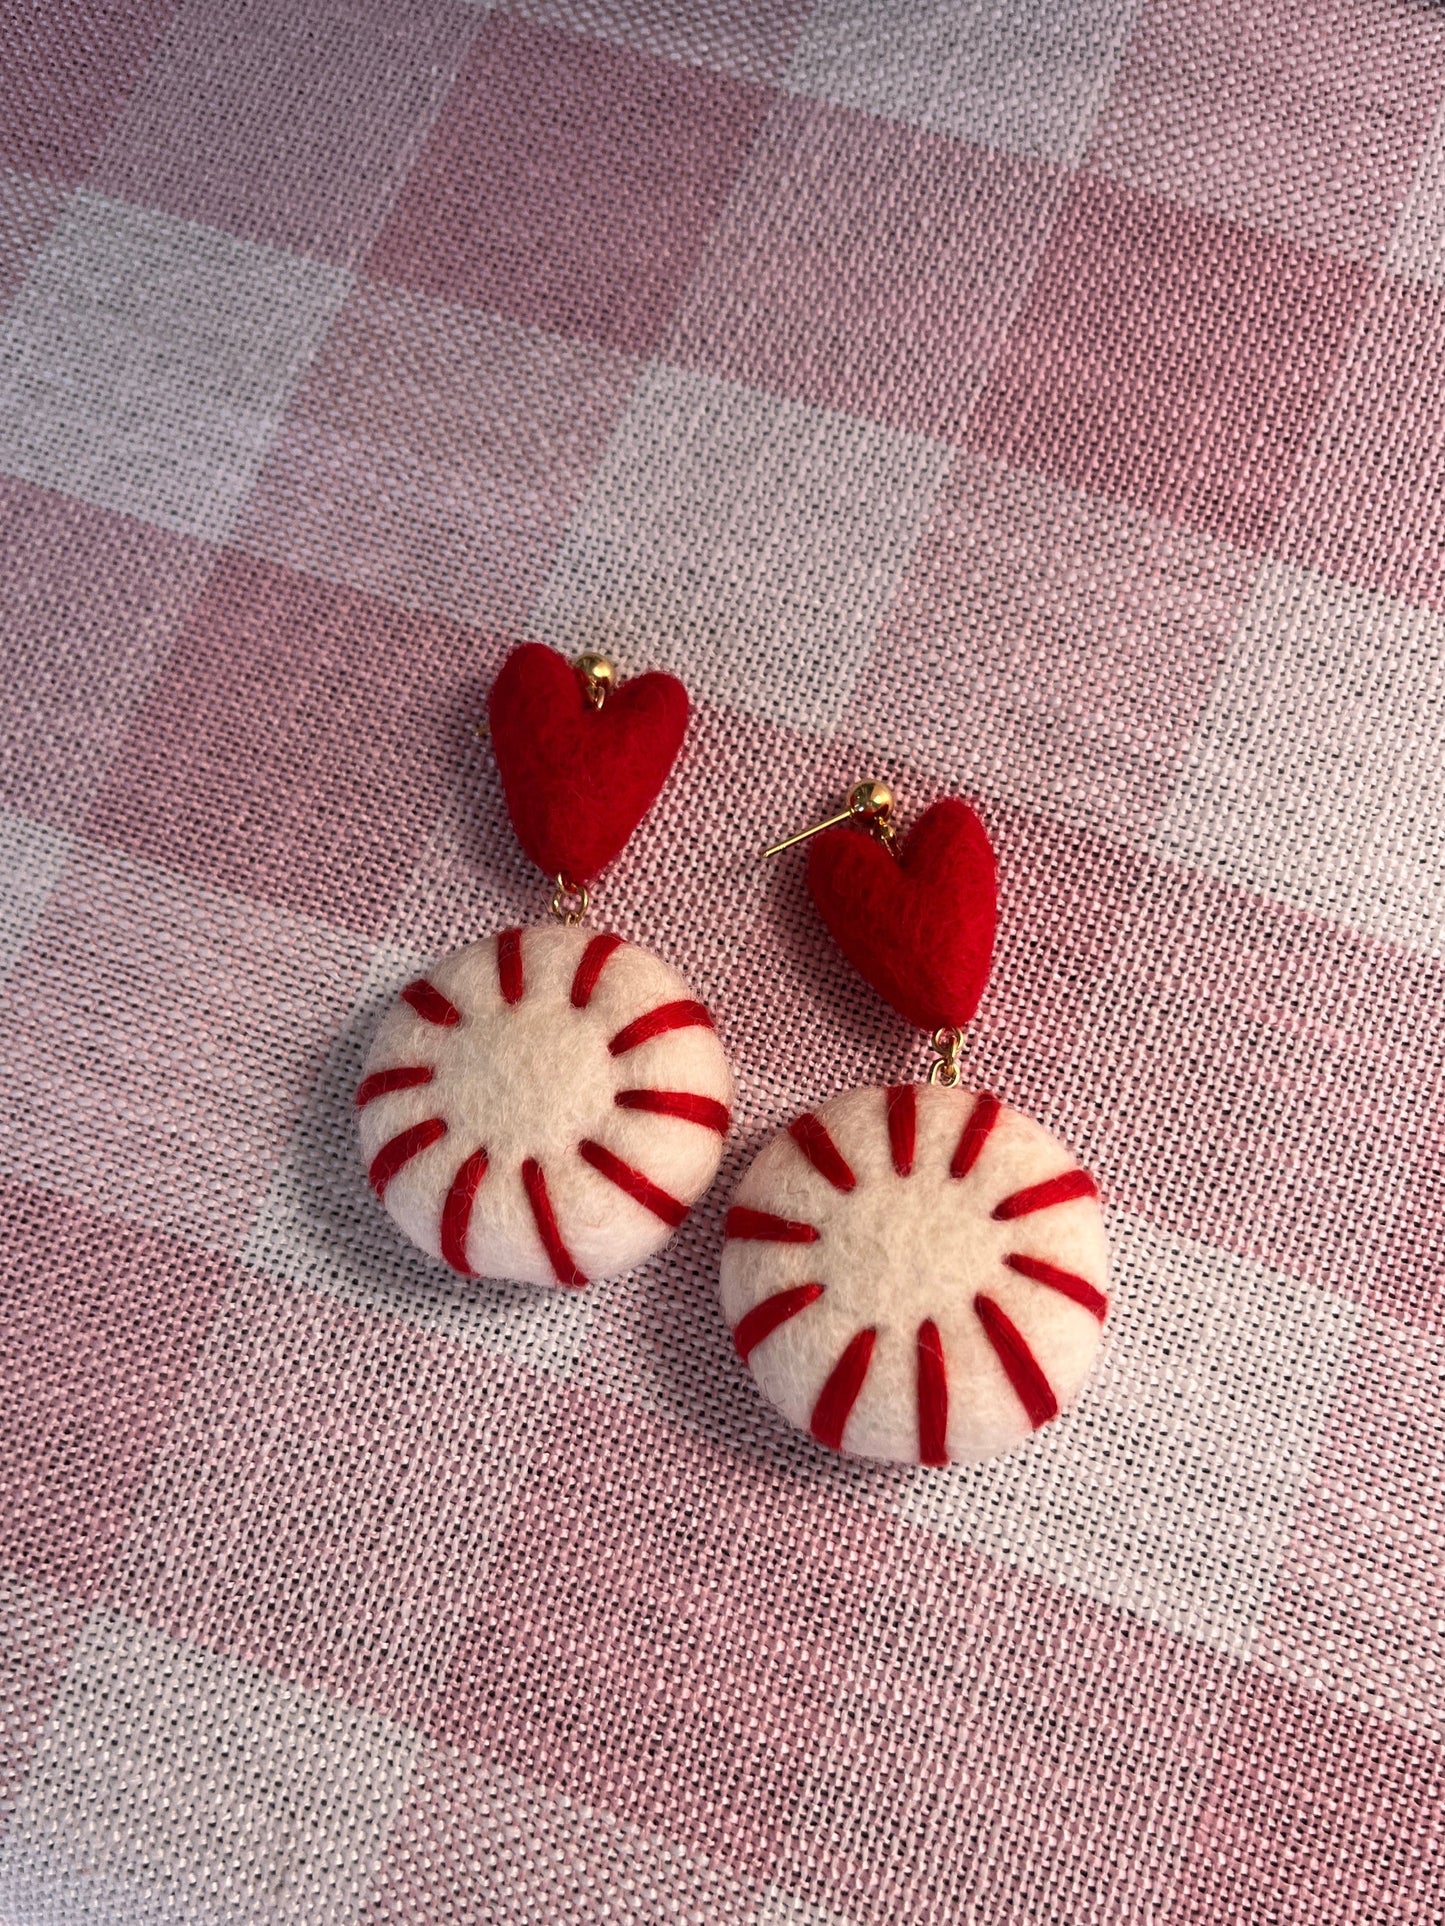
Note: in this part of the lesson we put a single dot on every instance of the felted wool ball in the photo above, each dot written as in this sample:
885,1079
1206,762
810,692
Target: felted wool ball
545,1105
916,1274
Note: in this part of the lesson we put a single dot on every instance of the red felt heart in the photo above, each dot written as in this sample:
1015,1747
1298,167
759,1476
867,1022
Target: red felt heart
916,921
579,780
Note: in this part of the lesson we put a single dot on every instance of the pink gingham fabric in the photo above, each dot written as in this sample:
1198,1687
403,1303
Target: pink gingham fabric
1038,402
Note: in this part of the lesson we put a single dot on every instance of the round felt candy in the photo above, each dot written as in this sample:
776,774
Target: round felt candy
545,1105
917,1274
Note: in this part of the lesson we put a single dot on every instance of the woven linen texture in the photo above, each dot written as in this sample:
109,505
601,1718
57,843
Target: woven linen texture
1036,402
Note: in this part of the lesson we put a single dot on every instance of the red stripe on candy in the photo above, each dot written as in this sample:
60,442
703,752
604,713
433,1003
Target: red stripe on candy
589,970
509,965
811,1136
639,1187
767,1229
381,1083
1066,1283
981,1120
430,1005
1062,1189
1021,1367
903,1127
839,1395
764,1318
564,1265
457,1211
678,1103
932,1396
400,1150
656,1023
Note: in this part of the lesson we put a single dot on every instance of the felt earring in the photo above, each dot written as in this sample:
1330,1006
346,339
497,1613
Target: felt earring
547,1104
918,1273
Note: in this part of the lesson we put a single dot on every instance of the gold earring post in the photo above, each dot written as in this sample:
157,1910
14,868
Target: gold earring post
870,803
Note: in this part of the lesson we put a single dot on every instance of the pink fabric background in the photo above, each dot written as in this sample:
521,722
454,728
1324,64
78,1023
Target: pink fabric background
1041,403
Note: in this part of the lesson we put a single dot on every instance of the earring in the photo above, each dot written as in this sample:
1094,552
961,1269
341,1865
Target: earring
919,1273
547,1104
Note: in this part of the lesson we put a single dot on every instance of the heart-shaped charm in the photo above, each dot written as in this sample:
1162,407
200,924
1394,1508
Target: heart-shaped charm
578,779
917,922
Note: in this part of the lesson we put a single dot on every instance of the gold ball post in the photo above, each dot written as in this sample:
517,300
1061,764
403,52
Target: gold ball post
599,676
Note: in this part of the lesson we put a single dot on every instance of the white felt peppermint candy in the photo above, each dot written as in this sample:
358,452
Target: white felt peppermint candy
544,1105
916,1274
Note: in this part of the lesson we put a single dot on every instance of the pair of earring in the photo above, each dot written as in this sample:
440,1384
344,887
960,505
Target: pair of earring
917,1273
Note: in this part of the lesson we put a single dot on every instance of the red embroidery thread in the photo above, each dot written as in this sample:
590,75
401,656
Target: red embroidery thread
902,1105
589,970
981,1120
635,1183
509,965
430,1005
763,1226
812,1137
1062,1189
400,1150
678,1103
1022,1368
764,1318
457,1211
839,1395
381,1083
682,1015
564,1265
932,1396
1066,1283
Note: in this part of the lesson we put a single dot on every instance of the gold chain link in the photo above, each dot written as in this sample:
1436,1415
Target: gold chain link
570,902
947,1069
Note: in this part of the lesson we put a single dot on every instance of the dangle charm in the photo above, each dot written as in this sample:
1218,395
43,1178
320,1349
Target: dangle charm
918,1273
547,1104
